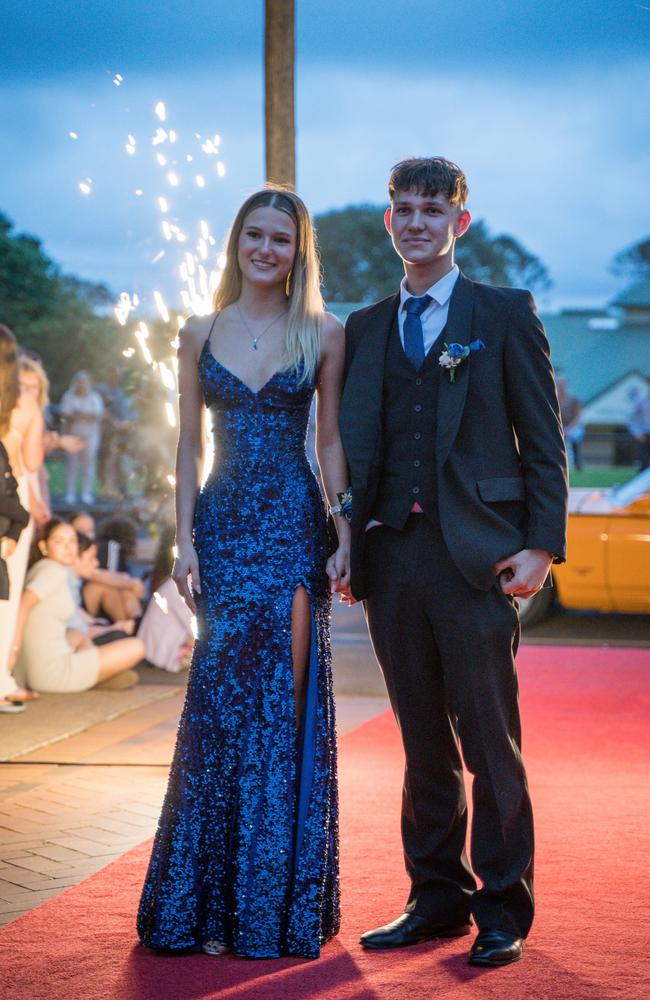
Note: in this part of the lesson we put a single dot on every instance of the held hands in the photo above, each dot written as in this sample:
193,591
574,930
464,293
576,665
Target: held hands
186,567
338,571
523,573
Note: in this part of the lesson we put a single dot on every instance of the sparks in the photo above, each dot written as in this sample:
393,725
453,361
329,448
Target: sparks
141,335
171,415
125,305
158,256
172,135
166,229
159,136
130,148
118,79
160,110
200,181
163,204
86,186
172,177
171,479
128,352
160,305
162,160
139,192
167,377
73,135
221,168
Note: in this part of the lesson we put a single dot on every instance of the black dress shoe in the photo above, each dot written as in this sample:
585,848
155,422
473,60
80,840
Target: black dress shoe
496,948
410,929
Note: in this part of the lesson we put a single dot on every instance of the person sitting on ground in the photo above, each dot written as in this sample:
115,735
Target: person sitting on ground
53,657
83,568
110,593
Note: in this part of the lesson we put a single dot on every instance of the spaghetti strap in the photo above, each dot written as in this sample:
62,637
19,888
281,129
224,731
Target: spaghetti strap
211,329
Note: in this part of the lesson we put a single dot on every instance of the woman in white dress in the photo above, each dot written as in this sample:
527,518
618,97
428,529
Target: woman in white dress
53,656
21,433
82,408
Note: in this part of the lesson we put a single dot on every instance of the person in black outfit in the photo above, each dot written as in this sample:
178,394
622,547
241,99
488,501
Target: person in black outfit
13,518
451,427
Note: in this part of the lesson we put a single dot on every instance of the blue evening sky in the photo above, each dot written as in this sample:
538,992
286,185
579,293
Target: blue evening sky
544,105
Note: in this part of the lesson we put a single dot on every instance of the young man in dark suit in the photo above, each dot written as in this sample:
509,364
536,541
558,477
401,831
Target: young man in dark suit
450,423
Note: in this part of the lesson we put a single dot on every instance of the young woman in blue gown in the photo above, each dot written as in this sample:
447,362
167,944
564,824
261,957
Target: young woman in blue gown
245,858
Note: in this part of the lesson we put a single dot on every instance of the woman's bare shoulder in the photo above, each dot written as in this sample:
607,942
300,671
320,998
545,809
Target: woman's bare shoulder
195,332
331,332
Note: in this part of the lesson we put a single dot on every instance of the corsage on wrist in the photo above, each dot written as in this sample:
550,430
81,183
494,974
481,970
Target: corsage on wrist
344,505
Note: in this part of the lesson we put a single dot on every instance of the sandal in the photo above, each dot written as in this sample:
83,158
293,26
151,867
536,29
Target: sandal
11,707
19,695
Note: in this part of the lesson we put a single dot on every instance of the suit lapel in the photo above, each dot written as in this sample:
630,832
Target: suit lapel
362,396
452,395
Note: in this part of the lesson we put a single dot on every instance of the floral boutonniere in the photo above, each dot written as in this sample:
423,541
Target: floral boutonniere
454,355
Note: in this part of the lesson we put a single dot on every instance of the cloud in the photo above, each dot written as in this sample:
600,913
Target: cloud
560,160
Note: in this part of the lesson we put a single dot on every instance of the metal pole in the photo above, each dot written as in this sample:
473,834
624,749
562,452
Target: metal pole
279,50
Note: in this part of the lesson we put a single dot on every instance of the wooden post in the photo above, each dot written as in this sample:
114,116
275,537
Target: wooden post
279,92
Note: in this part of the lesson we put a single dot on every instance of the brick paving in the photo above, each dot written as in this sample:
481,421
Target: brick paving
69,808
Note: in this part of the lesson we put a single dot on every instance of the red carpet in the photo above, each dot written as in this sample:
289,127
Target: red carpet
587,744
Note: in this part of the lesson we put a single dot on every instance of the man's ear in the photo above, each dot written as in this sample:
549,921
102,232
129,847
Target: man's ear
387,220
462,223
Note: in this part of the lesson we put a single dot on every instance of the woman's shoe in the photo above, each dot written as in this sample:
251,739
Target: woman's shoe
22,694
11,707
215,948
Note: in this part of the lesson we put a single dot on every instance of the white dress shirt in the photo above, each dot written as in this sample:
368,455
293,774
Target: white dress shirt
434,316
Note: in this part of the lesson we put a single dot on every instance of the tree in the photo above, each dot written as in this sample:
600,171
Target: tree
634,261
360,264
52,314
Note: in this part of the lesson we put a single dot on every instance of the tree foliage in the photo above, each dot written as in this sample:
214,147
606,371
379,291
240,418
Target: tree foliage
634,261
360,264
52,313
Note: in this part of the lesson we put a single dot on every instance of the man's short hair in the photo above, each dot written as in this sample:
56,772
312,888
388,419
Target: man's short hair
429,176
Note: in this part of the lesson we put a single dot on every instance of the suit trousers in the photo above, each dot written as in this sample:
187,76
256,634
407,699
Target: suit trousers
447,653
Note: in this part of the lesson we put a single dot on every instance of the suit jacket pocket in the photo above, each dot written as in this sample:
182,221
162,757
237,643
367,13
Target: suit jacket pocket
502,488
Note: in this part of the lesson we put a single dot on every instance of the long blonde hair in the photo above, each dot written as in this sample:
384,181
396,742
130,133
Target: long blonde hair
302,342
9,386
27,363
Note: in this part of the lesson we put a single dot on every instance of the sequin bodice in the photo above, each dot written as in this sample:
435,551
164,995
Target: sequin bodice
247,848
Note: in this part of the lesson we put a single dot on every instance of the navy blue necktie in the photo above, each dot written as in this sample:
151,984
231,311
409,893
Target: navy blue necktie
413,333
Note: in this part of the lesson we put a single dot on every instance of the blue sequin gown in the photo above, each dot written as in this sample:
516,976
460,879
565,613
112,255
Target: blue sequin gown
246,850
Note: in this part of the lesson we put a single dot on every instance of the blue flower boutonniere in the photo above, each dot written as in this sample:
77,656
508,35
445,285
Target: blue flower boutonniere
454,355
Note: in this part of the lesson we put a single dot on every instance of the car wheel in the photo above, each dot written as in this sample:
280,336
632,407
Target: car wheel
533,610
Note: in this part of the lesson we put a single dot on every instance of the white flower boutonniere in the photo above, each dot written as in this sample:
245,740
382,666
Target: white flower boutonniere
454,355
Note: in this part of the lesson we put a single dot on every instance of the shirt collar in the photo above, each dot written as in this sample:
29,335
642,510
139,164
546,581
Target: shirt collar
440,292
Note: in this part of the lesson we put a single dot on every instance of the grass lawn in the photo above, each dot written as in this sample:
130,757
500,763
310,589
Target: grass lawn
604,475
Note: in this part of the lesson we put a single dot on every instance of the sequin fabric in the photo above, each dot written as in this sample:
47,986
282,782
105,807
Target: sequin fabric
246,850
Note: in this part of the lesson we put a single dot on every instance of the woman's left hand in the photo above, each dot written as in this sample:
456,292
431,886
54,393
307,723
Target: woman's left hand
338,570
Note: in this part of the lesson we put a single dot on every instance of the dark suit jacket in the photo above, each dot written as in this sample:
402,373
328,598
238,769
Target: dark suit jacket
501,462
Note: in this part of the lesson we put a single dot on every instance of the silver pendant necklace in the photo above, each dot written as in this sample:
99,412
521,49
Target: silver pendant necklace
255,339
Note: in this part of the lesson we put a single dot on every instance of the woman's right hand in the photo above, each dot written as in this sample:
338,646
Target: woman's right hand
186,567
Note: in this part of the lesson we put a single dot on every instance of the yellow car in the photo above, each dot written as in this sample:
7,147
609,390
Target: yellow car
608,553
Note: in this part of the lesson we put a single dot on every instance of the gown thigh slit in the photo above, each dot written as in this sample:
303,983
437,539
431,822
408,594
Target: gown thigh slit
246,851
